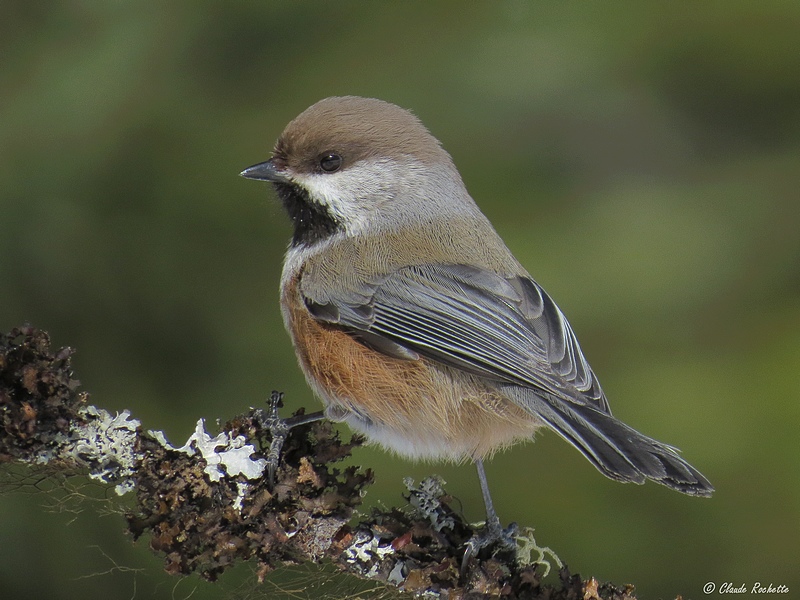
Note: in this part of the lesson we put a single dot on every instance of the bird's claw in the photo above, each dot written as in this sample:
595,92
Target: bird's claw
492,534
278,429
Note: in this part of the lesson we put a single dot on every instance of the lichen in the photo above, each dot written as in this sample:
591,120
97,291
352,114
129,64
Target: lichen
106,446
226,455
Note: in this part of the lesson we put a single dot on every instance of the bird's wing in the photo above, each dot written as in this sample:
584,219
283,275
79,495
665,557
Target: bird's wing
505,329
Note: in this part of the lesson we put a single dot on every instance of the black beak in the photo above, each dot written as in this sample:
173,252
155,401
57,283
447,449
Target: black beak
265,171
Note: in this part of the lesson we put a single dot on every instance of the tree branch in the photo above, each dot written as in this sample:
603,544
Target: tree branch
207,505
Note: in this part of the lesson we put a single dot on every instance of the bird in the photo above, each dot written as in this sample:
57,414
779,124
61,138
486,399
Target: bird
414,323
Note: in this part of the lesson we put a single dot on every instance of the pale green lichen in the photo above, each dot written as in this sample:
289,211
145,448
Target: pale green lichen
425,499
225,455
106,446
527,546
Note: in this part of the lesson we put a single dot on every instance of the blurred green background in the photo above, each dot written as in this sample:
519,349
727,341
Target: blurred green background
642,159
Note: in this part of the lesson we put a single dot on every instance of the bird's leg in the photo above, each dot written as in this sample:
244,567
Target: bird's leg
492,520
279,429
493,532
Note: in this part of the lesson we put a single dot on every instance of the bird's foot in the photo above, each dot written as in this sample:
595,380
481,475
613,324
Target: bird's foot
278,428
491,535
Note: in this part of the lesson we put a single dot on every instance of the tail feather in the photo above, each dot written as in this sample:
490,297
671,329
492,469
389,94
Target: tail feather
617,450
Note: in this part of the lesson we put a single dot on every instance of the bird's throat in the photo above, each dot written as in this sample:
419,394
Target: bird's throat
312,221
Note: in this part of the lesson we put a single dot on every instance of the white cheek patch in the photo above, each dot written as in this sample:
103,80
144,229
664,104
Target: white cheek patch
351,194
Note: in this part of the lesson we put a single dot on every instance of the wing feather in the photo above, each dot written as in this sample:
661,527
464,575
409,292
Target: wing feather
511,331
508,330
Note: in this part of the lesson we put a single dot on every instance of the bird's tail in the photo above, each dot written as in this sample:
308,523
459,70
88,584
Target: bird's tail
618,451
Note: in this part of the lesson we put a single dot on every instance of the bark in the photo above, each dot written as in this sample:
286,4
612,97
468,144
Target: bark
210,504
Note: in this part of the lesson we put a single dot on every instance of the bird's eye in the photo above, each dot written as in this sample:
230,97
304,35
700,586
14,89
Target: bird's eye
330,162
